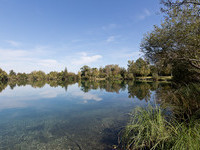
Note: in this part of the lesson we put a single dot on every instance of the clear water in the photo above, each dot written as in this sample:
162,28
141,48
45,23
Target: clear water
71,118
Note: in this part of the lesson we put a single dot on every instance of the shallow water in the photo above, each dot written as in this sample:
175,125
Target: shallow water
73,117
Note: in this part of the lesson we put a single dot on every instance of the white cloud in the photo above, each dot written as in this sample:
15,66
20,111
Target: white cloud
43,58
28,60
146,13
110,26
110,39
85,59
13,43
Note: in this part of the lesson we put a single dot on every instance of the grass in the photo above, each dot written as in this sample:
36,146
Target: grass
152,128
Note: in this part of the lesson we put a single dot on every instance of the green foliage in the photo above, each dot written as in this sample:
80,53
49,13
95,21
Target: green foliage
37,75
85,72
112,72
155,76
123,73
142,67
61,76
109,72
3,76
130,76
53,75
12,73
139,68
184,101
177,41
3,85
139,90
131,69
151,128
22,76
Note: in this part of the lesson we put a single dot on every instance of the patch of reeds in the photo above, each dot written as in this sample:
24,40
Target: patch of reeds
153,128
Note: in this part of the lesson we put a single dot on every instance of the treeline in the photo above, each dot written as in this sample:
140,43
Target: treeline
139,68
38,76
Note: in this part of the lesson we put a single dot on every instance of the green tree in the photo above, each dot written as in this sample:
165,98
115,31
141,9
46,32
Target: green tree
12,73
65,74
3,76
53,75
102,73
95,73
22,76
85,72
131,69
142,68
123,73
177,40
37,75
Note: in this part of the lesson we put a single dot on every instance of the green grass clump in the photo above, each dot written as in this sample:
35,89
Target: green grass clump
151,128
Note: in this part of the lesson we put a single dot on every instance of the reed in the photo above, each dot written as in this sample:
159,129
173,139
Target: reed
152,128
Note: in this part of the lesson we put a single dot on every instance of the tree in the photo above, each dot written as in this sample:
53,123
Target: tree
22,76
131,68
85,71
177,40
65,73
142,68
95,72
3,76
79,75
12,73
53,75
123,73
37,75
112,71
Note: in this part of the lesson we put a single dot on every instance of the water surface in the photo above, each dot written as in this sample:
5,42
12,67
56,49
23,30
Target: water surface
84,116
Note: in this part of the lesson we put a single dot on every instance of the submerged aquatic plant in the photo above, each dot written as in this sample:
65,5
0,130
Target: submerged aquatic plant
152,128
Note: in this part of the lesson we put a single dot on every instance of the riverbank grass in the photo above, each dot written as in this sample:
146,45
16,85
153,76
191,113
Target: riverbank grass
151,128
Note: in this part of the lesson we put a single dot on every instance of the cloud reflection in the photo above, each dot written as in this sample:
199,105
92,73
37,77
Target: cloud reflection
86,96
21,97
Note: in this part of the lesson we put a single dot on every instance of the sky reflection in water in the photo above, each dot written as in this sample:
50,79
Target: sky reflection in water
63,118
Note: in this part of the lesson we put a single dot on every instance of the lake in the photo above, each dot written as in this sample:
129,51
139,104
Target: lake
79,116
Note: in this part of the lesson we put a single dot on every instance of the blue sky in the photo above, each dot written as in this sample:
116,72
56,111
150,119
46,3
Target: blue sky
53,34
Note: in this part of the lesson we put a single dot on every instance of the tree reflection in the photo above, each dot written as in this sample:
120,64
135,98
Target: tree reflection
183,101
108,86
140,90
3,85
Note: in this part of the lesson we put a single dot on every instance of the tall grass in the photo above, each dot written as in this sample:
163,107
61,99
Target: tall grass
152,128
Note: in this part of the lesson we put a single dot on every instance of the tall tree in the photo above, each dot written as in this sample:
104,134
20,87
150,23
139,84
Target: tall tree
142,68
177,40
